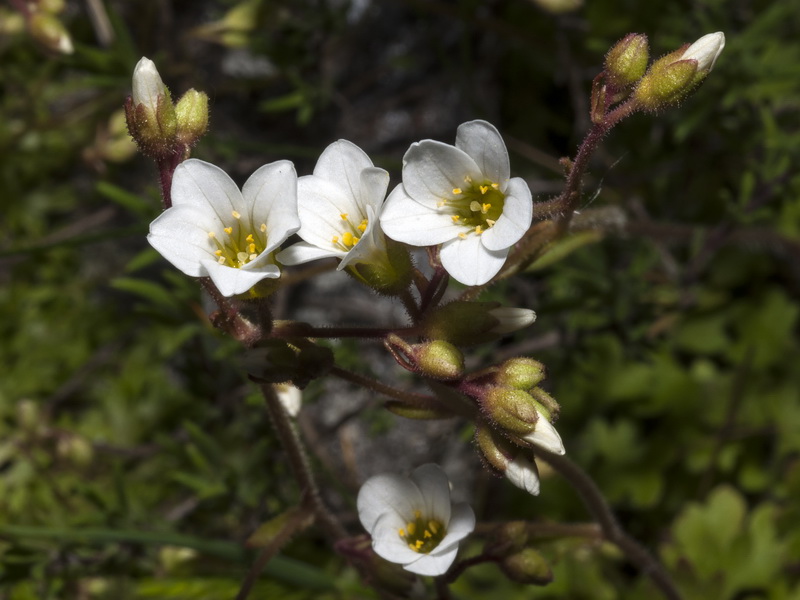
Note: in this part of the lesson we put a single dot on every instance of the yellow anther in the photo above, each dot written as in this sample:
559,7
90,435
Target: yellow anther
455,218
263,228
221,260
335,239
363,226
462,235
417,514
441,204
228,230
490,222
410,545
456,191
218,252
427,534
347,238
496,186
475,206
212,235
478,230
253,256
468,179
402,532
344,216
483,188
356,240
412,527
249,238
236,214
433,526
485,207
418,544
251,248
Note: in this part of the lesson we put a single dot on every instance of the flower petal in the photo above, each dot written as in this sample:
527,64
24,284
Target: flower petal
388,544
372,243
180,234
433,564
515,220
545,436
432,170
372,191
469,261
387,493
202,184
271,194
321,205
435,489
341,163
303,252
462,523
231,281
524,474
483,143
405,220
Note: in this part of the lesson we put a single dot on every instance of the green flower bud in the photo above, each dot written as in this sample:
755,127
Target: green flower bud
512,410
150,113
439,360
626,62
527,566
50,33
509,460
468,323
191,114
507,538
520,373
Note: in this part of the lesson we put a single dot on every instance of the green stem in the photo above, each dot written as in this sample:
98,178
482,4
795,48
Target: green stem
418,400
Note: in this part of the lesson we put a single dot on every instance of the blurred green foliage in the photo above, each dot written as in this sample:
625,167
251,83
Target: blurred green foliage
135,458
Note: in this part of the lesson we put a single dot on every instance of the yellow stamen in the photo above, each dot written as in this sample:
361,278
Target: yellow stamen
218,252
249,238
427,534
344,216
252,248
411,528
483,188
221,260
456,191
402,532
363,226
496,186
418,544
478,230
212,235
462,235
490,222
485,207
455,218
263,228
433,526
335,239
441,204
228,230
347,238
236,215
253,256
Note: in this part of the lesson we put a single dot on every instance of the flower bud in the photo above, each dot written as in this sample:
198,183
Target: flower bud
626,62
705,51
520,373
527,566
148,86
507,538
512,410
191,114
511,319
468,323
509,460
545,435
50,33
547,404
290,398
150,113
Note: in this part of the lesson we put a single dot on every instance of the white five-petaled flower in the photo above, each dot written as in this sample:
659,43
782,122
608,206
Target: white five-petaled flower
338,207
413,521
215,230
462,197
705,51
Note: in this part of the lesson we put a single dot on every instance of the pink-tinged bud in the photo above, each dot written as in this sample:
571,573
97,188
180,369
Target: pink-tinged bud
706,50
626,62
50,33
520,373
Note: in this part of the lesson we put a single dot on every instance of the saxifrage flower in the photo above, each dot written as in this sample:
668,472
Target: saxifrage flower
462,197
214,230
412,520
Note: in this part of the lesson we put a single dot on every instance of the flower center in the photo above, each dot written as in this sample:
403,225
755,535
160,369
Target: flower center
238,245
422,535
350,233
477,205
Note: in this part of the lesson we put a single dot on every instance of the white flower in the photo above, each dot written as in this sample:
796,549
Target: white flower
705,51
412,520
511,319
545,435
463,198
214,230
147,85
290,398
338,207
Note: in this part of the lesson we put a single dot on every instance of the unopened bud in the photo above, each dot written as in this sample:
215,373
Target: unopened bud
290,397
507,538
191,114
626,62
150,113
544,434
147,86
706,50
50,33
547,404
520,373
508,460
439,360
527,566
513,410
511,319
468,323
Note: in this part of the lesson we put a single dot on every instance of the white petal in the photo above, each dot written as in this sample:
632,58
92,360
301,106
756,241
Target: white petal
483,143
706,50
371,245
516,217
372,191
524,474
271,195
432,170
147,84
303,252
290,397
231,281
320,206
511,319
469,262
545,436
180,234
341,163
462,523
433,564
387,493
435,489
388,544
405,220
207,187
